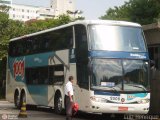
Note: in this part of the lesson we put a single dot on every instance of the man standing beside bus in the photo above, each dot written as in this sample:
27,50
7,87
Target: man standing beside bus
69,98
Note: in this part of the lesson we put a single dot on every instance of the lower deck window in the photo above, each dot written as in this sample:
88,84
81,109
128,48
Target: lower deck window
45,75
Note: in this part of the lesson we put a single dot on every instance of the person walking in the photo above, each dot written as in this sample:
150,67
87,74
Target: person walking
69,98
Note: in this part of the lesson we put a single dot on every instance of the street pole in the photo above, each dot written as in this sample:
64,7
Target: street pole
74,13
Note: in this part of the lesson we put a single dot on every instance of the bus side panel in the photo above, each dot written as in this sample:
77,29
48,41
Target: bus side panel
60,58
11,83
9,87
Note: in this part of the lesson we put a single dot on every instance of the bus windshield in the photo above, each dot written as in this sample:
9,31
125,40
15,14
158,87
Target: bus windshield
116,38
120,75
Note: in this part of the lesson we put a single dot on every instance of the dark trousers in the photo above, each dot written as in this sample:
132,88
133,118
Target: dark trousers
68,106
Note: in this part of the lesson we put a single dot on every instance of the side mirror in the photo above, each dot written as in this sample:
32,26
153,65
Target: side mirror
152,69
152,63
89,66
70,45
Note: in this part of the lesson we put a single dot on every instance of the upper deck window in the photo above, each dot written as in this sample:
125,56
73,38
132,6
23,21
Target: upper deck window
50,41
116,38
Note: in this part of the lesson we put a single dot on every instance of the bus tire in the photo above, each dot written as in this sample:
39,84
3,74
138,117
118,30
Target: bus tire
17,99
22,98
58,104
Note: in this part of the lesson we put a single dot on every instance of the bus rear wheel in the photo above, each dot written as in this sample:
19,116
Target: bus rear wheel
17,100
58,104
22,99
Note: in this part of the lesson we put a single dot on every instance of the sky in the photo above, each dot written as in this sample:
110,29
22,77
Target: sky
92,9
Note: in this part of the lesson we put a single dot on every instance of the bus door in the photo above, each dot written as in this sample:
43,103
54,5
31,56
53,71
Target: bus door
81,51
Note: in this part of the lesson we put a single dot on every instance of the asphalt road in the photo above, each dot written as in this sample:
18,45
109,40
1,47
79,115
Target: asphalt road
9,112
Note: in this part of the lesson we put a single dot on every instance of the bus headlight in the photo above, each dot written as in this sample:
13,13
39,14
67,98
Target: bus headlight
98,99
143,101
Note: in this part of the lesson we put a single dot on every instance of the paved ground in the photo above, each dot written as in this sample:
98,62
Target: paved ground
9,112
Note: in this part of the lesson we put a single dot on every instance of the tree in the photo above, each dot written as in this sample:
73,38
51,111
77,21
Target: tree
8,30
38,25
3,36
140,11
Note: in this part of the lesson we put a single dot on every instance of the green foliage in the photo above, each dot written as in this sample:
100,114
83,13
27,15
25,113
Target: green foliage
0,70
16,29
3,36
140,11
8,29
38,25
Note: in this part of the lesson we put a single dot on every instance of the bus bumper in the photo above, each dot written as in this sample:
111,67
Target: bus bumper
96,107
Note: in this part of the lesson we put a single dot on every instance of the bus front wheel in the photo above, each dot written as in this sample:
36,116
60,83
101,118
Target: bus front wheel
58,104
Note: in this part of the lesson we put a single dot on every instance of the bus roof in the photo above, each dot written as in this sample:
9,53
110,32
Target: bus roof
84,22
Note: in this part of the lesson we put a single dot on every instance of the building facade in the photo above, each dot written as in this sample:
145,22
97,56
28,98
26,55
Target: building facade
28,12
152,34
62,6
25,12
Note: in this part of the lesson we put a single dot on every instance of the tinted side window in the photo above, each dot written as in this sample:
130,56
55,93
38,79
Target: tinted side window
16,48
45,75
81,55
81,43
60,39
37,76
55,40
58,74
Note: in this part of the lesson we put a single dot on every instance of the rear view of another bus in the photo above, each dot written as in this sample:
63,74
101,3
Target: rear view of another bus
119,68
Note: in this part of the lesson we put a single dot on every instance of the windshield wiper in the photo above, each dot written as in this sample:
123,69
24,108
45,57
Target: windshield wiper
138,86
114,89
105,88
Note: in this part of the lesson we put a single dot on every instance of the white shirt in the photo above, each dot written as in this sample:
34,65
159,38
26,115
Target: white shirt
68,88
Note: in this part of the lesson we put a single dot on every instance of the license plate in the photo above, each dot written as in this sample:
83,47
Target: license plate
122,108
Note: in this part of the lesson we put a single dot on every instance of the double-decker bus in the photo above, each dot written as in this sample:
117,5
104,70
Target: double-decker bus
101,55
